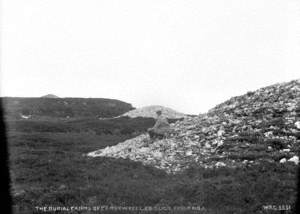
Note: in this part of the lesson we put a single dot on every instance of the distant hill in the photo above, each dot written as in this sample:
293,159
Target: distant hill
17,107
50,96
150,112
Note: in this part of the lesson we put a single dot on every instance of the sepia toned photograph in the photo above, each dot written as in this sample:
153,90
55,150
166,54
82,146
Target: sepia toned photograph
150,107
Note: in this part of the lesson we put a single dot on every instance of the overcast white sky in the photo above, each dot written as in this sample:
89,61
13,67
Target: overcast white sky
187,55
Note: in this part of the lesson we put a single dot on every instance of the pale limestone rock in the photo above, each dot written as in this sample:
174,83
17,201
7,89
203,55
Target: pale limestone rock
220,164
189,153
294,159
283,160
297,124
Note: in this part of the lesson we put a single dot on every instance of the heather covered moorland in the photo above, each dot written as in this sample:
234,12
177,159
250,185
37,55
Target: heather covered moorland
239,157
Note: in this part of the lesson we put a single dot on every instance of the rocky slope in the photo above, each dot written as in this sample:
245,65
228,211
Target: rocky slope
150,111
260,126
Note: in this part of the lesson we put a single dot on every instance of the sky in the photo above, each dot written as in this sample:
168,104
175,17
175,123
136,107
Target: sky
189,55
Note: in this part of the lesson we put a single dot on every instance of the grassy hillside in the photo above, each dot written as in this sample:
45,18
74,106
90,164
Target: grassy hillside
93,126
49,167
15,107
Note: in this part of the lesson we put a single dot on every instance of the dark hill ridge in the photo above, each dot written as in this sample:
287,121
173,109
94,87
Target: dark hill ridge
260,126
16,107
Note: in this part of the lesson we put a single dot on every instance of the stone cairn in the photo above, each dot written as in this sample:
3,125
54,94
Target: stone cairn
259,126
